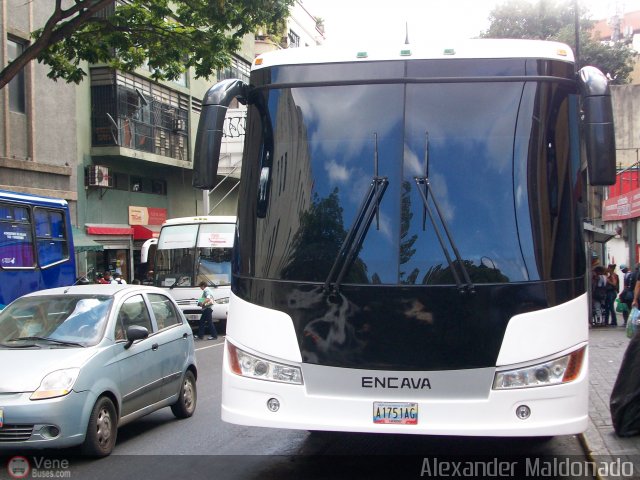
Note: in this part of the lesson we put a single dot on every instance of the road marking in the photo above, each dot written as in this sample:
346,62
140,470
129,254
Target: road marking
210,346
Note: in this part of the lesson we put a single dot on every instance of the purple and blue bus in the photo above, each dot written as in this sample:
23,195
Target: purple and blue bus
36,244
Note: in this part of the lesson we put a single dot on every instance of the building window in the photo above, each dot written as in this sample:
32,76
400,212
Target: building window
17,101
294,39
158,187
136,184
238,69
121,181
135,113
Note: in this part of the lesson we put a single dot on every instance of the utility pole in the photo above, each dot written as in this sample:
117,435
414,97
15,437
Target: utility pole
576,15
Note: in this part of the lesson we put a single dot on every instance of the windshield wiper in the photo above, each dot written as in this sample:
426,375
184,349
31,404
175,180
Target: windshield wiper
468,285
47,339
26,345
183,280
358,231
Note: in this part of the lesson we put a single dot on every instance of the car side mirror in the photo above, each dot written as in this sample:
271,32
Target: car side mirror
135,332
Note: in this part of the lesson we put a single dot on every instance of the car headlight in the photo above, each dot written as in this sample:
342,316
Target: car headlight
56,384
560,370
247,365
222,300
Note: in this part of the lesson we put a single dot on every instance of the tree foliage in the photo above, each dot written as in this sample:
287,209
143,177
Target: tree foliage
169,35
555,20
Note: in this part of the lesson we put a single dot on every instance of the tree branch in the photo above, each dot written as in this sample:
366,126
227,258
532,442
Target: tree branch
51,33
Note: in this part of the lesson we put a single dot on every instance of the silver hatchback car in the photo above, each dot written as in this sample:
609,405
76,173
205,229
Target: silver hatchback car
78,362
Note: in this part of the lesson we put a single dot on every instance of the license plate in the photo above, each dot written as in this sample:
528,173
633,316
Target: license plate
1,417
397,413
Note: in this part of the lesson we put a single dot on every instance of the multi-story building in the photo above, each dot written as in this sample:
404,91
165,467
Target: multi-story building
616,210
136,138
38,151
301,29
119,146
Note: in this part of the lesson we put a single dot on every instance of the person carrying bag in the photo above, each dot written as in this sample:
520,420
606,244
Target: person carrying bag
206,301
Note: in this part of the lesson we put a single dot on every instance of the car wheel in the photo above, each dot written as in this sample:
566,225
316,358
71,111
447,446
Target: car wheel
186,404
102,429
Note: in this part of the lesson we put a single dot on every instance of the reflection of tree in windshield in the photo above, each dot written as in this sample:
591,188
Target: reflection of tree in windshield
317,243
437,275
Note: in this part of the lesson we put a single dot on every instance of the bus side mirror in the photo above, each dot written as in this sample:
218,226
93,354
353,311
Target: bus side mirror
210,130
598,126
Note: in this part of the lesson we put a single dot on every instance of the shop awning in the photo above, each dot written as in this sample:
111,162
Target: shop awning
82,243
145,232
598,235
109,229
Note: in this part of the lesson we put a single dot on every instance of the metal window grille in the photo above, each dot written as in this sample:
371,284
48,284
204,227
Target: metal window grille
146,116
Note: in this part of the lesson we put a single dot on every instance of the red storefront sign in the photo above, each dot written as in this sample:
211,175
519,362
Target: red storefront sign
622,207
147,215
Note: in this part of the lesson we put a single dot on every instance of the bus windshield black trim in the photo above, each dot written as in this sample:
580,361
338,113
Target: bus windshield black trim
415,80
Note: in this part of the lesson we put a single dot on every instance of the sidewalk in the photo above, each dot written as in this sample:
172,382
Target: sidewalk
606,349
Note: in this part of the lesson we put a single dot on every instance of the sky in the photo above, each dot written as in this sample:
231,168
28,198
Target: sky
374,21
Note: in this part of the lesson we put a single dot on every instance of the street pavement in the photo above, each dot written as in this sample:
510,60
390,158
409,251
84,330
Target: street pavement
607,346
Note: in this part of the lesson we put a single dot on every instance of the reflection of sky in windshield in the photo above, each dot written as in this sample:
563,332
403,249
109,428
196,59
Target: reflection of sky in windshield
343,150
478,137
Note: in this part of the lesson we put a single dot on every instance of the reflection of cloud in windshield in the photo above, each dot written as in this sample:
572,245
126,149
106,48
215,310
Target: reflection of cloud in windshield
338,135
84,306
385,226
441,193
412,163
337,173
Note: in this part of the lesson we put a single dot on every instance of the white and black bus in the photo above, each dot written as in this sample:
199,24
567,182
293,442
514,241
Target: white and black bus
409,255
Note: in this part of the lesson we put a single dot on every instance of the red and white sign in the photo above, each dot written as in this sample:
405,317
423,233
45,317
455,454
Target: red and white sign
147,215
622,207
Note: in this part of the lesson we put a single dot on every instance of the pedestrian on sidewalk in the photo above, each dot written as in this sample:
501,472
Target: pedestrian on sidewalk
626,296
612,287
598,294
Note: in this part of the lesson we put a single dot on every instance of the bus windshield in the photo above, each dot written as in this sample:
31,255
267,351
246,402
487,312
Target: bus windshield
497,156
190,253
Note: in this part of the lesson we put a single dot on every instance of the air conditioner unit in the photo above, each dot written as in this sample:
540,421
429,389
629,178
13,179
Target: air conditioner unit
98,176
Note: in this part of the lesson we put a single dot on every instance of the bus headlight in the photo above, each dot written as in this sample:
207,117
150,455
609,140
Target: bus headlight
560,370
247,365
222,300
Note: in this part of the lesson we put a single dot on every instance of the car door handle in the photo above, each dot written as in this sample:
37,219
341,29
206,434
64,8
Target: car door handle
154,347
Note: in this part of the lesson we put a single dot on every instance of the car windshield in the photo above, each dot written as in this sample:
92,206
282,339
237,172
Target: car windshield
55,321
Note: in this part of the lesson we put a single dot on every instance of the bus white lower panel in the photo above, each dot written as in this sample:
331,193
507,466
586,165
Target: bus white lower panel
555,410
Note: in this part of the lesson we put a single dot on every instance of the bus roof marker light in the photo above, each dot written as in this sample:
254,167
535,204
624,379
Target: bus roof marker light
562,52
449,51
258,61
362,55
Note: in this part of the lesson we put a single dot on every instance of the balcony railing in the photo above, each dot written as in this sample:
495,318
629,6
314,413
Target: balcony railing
235,125
141,116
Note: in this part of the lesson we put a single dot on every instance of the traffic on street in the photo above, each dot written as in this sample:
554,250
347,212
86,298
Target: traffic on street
160,446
